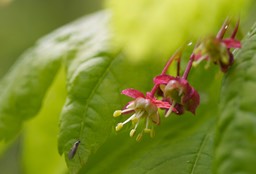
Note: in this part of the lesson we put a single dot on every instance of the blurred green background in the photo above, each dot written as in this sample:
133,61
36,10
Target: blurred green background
22,22
156,28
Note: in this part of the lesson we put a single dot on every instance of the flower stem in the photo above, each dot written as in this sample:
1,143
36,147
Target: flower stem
191,59
153,91
178,67
177,56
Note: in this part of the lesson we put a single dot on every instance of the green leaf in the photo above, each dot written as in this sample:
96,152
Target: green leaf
24,87
236,137
178,147
87,65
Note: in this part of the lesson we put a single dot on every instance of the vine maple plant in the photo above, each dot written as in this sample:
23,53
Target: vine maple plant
70,84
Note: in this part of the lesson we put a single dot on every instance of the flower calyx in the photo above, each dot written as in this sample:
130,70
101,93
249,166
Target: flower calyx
180,94
217,49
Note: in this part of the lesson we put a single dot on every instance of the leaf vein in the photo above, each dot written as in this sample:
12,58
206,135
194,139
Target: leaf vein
93,92
199,152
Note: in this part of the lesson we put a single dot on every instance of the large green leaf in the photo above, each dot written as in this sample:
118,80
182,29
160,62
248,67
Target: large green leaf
236,138
24,87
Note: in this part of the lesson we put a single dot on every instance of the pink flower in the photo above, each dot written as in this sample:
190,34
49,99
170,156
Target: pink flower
142,107
180,94
217,50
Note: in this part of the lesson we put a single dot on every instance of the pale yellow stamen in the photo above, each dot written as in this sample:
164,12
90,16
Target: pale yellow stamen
119,126
139,136
129,119
140,113
132,132
136,125
147,130
117,113
170,109
135,120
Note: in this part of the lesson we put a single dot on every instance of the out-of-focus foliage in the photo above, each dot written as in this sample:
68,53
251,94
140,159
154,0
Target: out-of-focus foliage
5,2
236,130
145,27
22,22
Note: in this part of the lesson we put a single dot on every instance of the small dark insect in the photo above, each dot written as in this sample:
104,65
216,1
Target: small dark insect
73,150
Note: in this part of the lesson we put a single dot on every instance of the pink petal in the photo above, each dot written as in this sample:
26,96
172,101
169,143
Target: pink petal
158,103
197,56
163,79
232,43
162,104
191,101
185,85
133,93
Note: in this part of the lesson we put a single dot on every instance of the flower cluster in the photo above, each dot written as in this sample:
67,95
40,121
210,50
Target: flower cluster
174,94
